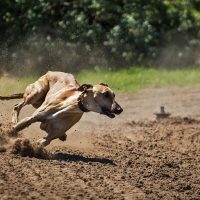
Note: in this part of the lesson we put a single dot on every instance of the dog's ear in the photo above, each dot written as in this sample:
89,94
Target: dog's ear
104,84
84,87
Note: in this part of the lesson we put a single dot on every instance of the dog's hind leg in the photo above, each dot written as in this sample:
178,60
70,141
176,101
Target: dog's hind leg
63,137
54,130
51,136
16,111
46,140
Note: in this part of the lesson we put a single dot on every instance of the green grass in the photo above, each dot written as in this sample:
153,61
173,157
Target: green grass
11,85
123,80
138,78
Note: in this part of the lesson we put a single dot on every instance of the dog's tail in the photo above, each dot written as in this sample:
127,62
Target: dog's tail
12,96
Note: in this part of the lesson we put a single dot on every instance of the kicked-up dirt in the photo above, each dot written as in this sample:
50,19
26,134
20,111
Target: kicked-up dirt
133,156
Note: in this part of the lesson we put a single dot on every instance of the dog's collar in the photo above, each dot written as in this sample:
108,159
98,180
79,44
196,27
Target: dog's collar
80,104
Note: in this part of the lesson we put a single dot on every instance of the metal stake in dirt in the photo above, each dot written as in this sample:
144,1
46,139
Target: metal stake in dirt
162,113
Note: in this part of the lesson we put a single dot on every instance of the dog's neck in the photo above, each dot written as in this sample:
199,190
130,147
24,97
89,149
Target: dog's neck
80,102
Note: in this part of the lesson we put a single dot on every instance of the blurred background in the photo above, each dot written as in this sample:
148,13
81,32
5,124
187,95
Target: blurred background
36,36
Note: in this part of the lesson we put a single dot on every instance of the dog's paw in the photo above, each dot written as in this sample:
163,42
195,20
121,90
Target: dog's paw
63,137
14,120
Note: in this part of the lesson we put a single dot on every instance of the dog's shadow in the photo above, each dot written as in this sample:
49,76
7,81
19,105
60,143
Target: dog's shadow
76,158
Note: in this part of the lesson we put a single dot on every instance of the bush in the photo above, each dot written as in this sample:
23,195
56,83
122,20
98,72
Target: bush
37,36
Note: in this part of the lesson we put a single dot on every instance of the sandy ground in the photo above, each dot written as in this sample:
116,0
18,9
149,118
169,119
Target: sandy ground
133,156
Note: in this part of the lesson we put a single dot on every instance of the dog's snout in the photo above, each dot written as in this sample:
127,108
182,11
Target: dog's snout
118,109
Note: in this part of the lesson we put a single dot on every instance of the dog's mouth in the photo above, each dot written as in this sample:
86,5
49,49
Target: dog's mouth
108,113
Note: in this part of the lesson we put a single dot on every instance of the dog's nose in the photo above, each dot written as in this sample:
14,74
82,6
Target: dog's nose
118,109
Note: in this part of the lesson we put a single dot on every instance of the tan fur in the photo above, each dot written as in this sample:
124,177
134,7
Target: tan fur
55,95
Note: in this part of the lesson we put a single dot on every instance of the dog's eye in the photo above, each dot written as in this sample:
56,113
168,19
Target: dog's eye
106,94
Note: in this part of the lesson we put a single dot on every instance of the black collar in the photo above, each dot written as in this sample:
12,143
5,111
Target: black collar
80,104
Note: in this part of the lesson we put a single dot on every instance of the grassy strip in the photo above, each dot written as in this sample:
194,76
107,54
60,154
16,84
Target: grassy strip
125,80
12,85
138,78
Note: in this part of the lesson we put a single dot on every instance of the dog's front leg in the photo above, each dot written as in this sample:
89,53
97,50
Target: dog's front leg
37,116
66,111
24,123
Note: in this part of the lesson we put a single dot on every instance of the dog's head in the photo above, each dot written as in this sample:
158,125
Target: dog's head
101,99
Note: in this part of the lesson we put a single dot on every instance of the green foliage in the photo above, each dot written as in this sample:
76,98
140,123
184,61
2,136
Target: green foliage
69,35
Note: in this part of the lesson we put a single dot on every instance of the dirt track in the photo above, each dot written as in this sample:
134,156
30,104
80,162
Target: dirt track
132,156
